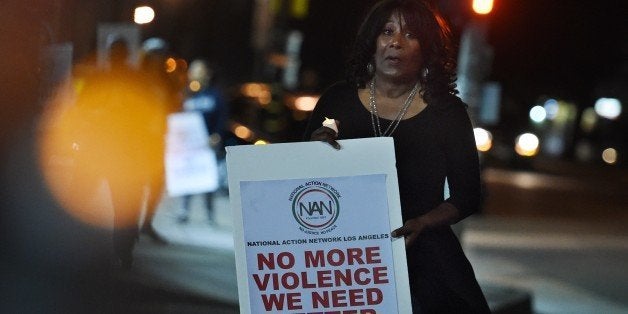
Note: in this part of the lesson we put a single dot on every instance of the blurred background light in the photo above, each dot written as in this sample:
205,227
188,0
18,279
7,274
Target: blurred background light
195,86
260,91
584,151
609,156
483,139
261,142
588,120
299,8
252,89
554,144
182,65
527,145
265,97
154,44
538,114
143,15
482,6
96,133
551,108
305,103
609,108
171,65
243,132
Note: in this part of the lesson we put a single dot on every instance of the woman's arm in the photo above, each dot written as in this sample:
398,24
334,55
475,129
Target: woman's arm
463,166
463,176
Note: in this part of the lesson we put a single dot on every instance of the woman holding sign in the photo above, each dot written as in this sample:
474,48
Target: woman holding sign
400,83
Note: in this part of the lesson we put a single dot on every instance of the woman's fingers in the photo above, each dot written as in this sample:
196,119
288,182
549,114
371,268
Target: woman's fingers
323,134
327,135
400,232
409,234
410,230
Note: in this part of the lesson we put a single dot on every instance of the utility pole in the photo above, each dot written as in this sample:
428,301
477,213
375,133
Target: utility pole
475,58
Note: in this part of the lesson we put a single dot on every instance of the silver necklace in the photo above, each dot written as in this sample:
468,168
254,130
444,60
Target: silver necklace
377,130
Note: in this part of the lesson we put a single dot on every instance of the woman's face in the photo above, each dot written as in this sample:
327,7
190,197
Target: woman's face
398,51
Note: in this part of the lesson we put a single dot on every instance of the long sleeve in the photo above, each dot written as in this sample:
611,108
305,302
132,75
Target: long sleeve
463,173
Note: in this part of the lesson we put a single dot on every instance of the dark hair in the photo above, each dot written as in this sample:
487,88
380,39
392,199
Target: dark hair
436,46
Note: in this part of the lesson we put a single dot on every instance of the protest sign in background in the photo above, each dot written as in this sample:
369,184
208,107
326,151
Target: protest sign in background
191,166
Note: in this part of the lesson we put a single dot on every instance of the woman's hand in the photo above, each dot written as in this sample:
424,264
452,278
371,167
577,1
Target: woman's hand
326,134
411,230
443,215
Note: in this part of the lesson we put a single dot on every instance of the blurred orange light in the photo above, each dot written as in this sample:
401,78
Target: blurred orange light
182,65
305,103
252,89
260,91
171,65
243,132
101,144
482,6
264,97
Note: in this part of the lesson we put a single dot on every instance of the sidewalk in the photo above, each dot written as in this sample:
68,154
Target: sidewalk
199,257
197,231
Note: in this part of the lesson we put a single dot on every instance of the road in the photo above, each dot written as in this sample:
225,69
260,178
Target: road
560,233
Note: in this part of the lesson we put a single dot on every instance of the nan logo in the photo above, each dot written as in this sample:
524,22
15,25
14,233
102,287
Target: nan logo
315,207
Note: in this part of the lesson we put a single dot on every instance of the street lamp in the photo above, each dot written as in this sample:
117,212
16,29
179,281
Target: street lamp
609,108
482,6
474,60
143,15
538,114
527,145
483,139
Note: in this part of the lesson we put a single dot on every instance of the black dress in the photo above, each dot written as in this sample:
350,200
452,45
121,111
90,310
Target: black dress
435,144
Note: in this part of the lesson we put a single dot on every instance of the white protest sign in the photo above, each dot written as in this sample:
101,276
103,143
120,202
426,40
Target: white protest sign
312,228
191,165
186,131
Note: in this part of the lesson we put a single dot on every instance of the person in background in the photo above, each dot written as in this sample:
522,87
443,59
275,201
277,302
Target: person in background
400,84
155,54
206,98
110,125
133,129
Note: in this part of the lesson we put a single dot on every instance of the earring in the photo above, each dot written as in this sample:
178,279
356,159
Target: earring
425,73
370,69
